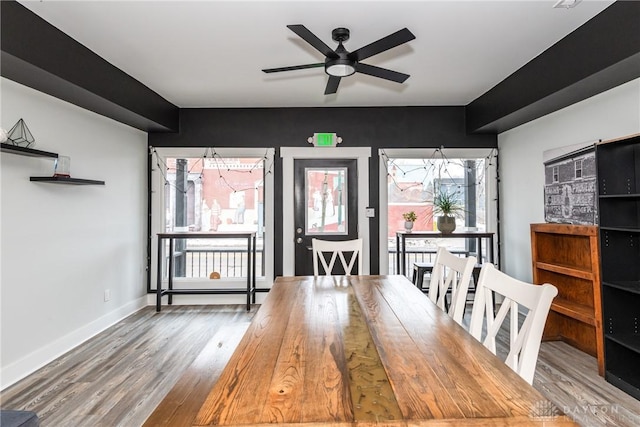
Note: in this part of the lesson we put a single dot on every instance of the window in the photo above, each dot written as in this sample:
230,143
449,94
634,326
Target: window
556,175
415,177
214,194
413,183
223,191
578,168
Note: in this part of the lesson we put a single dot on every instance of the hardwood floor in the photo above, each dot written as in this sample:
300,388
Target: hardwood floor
569,378
120,376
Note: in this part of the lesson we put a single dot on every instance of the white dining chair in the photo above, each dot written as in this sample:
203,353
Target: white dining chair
452,274
533,300
322,249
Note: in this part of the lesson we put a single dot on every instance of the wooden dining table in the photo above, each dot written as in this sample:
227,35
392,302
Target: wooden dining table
365,350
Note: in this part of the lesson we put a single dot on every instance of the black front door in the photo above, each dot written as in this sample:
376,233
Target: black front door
325,204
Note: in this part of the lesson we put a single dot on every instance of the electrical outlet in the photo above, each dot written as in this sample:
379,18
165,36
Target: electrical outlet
107,295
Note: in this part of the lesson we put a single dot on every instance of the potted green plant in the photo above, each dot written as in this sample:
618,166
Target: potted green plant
446,207
409,218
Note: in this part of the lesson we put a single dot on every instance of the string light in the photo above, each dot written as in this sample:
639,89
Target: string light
220,164
429,165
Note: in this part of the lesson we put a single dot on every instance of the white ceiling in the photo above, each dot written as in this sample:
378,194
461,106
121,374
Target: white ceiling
210,53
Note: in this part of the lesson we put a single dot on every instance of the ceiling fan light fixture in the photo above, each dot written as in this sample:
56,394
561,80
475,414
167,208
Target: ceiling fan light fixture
340,63
340,67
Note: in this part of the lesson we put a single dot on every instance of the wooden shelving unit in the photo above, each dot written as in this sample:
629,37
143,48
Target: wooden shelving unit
618,171
31,152
567,256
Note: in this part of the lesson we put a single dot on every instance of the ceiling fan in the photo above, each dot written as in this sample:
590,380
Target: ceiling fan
342,63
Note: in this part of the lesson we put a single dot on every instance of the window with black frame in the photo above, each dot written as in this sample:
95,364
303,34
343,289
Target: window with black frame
419,184
215,194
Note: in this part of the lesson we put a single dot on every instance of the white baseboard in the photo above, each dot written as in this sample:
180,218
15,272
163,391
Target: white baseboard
19,369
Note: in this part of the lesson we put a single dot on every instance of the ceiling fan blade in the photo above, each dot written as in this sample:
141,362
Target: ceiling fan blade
313,40
332,85
385,43
383,73
294,67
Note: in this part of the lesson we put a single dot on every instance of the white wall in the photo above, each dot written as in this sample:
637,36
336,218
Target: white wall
608,115
64,245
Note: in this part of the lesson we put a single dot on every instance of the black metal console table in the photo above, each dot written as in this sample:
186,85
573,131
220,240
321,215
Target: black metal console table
403,236
251,266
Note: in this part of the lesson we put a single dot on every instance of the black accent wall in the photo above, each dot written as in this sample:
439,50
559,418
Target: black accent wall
375,127
378,127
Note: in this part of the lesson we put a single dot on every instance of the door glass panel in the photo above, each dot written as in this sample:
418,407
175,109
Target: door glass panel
326,195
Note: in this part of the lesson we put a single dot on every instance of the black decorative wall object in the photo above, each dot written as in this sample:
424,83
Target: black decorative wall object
20,135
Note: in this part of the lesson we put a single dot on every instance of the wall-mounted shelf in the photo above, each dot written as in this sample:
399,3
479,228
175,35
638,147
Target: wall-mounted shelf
65,180
24,151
